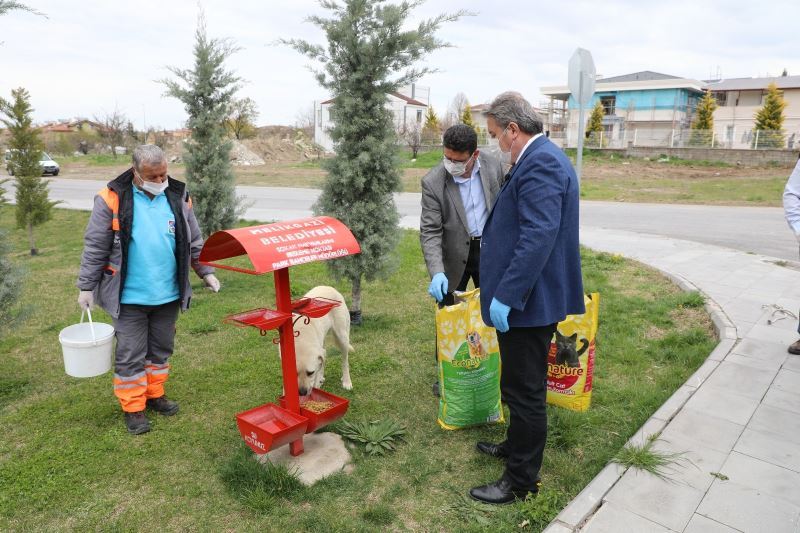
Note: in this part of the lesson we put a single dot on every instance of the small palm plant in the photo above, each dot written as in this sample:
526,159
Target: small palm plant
378,436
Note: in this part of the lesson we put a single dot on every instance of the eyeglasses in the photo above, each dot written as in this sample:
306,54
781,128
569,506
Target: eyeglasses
467,160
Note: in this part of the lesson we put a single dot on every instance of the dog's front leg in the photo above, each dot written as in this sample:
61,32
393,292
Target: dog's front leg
321,374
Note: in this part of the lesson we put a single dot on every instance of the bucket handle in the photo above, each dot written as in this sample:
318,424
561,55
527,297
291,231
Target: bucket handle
91,324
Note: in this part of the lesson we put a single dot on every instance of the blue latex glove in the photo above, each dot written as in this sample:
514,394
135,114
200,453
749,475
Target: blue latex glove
498,311
438,286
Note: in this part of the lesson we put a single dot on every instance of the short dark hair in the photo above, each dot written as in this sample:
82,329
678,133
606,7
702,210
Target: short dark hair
461,138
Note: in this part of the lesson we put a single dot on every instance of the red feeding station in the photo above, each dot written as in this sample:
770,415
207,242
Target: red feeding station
274,248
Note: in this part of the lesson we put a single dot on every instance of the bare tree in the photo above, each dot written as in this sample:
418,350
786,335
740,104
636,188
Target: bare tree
112,128
455,111
411,134
241,118
304,120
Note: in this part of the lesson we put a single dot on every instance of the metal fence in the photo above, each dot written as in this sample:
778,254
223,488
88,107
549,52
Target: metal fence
682,138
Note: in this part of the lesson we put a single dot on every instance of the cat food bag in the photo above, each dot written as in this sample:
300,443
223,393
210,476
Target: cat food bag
469,365
570,362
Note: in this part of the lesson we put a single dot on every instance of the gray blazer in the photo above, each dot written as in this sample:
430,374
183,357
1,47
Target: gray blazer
443,230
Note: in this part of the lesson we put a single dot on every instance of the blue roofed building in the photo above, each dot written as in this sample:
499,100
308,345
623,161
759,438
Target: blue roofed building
644,108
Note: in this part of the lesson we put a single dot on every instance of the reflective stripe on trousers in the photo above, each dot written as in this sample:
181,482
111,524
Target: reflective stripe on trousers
157,375
131,390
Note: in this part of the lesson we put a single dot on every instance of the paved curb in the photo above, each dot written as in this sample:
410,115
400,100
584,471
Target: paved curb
586,503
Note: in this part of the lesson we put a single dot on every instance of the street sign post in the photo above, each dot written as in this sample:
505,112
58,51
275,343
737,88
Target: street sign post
581,80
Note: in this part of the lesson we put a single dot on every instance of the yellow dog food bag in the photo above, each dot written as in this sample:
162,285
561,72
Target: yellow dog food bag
570,362
469,365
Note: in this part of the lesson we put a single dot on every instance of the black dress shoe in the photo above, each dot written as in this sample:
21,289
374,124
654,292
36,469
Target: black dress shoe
500,492
492,450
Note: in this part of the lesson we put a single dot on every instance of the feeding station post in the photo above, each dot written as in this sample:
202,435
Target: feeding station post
274,248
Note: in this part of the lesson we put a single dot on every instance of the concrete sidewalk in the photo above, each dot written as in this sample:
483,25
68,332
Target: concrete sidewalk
736,421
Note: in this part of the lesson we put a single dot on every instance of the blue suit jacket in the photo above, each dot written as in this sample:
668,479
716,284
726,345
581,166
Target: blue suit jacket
530,259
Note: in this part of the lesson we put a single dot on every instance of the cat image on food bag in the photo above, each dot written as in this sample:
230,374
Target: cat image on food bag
567,352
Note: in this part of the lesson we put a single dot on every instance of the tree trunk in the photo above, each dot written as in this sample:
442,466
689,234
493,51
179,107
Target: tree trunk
356,304
34,251
355,308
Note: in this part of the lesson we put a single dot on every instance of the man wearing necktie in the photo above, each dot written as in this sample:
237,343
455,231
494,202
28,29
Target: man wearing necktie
457,195
530,280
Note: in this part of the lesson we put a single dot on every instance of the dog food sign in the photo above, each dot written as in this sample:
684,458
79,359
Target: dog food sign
280,245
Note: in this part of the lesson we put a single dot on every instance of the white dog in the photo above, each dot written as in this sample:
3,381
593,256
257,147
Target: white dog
310,343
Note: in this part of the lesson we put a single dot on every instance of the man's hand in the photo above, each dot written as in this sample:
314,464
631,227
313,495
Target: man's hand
211,282
498,311
85,300
438,286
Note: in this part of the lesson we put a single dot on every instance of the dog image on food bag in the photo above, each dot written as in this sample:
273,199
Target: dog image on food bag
309,344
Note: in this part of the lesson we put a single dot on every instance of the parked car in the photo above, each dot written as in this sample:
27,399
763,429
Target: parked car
46,162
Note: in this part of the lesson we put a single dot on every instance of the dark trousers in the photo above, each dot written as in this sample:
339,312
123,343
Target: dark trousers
523,384
145,340
473,267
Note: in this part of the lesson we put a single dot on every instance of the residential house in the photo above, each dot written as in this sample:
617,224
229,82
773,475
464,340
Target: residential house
738,101
644,108
408,106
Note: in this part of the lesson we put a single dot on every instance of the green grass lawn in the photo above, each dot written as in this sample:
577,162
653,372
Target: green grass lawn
67,462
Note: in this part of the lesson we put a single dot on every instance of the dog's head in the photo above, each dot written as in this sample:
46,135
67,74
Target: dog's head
474,338
309,369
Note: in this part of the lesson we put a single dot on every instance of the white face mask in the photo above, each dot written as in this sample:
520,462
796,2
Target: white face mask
505,156
154,188
456,168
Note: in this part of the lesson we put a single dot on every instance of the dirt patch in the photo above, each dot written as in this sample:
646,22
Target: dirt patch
282,144
653,170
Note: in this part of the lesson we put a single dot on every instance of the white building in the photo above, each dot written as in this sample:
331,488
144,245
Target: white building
408,106
738,101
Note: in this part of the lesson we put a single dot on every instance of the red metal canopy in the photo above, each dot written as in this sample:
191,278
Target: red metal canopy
281,244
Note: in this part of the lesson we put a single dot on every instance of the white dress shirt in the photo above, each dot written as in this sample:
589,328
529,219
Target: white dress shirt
471,190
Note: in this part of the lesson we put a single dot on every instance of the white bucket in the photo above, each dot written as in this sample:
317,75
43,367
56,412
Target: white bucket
87,348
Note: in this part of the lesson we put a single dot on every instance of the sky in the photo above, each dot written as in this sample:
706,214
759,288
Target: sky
88,58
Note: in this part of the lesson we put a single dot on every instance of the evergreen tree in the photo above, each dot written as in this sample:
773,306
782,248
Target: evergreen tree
6,6
10,276
33,204
432,130
369,55
703,124
595,125
769,119
431,120
207,91
466,116
10,284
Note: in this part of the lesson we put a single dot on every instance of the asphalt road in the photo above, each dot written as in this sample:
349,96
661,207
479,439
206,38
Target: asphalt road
759,230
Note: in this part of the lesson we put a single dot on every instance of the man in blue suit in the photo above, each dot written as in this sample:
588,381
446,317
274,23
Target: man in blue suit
530,280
